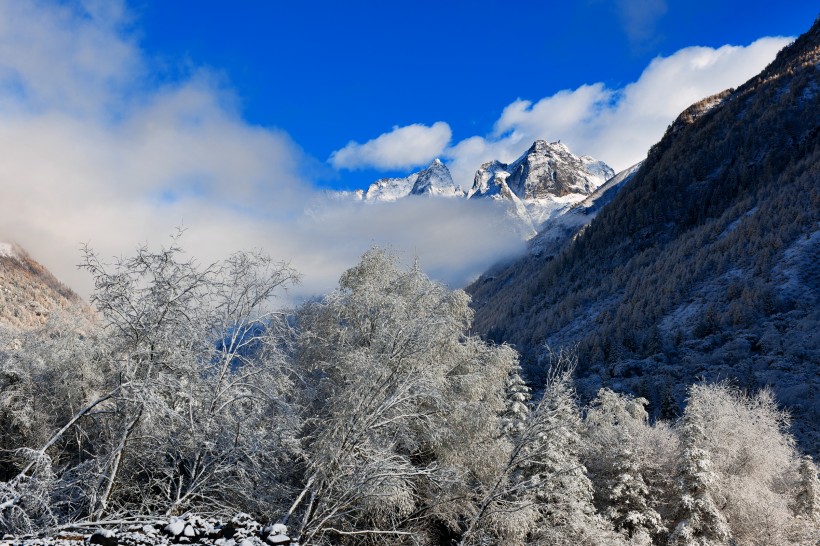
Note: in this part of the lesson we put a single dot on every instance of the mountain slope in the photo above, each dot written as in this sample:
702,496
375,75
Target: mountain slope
557,231
706,264
29,293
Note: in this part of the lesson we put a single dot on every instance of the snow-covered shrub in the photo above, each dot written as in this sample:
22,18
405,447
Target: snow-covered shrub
737,471
403,422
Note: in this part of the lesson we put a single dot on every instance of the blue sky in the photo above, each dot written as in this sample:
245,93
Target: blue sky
328,72
123,120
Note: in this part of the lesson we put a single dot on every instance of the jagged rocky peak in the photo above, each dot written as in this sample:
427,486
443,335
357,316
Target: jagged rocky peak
546,170
435,180
390,189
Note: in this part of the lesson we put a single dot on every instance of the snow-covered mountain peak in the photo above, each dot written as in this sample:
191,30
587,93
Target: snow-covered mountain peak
435,180
542,146
545,182
545,170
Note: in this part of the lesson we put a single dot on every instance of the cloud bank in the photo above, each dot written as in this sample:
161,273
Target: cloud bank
94,150
401,148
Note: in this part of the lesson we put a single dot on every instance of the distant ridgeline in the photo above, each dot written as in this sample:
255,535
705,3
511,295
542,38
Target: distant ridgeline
706,264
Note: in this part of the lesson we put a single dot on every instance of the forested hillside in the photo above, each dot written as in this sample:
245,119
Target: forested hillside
29,293
707,263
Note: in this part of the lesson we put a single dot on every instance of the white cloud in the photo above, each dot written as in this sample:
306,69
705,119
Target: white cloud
93,153
401,148
455,239
617,126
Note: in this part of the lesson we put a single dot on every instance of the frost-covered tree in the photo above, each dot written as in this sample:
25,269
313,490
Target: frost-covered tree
518,400
199,371
701,521
166,407
623,452
48,378
737,470
403,416
563,493
515,507
630,506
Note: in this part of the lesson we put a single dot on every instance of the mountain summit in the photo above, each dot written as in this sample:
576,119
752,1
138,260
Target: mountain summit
546,170
545,182
435,180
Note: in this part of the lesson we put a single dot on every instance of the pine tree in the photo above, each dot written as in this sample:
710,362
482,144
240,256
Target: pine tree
629,507
517,404
702,523
564,493
617,436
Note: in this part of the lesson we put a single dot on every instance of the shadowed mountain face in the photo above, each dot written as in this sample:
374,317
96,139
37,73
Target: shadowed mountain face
29,293
706,264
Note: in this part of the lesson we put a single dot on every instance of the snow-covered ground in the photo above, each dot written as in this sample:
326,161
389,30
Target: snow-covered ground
242,530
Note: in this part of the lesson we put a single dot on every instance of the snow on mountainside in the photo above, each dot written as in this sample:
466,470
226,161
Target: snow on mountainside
7,250
389,189
546,170
435,180
545,182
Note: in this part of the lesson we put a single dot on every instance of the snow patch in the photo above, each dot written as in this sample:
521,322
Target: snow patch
799,269
7,250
